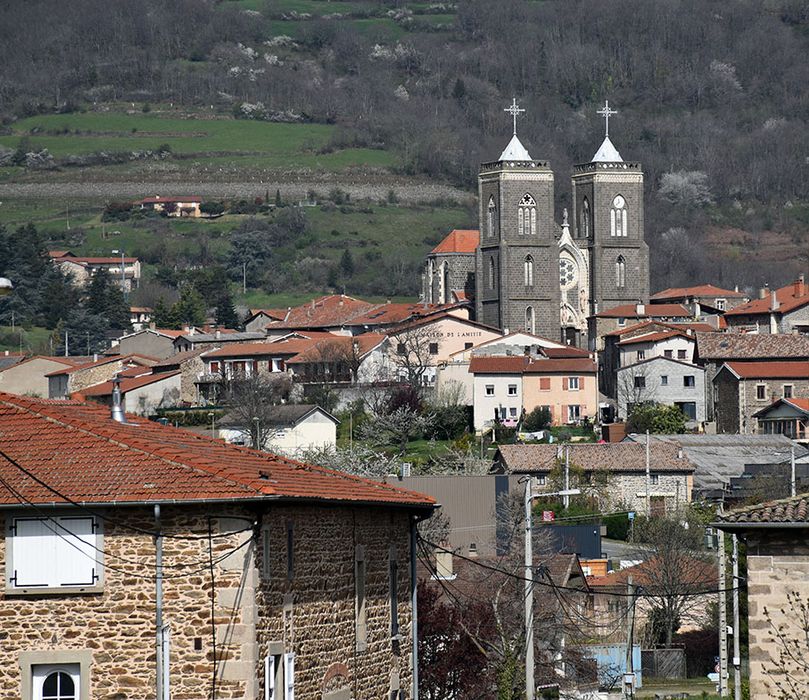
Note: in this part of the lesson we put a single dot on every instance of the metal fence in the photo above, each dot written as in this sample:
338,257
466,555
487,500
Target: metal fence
663,663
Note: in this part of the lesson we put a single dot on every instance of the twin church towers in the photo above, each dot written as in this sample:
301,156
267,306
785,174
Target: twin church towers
525,271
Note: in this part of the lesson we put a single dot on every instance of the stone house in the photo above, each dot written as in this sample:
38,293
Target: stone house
81,269
620,317
561,379
773,538
163,560
741,389
788,417
30,377
191,366
714,349
612,473
449,274
259,318
69,380
192,339
142,392
784,310
702,299
665,381
154,342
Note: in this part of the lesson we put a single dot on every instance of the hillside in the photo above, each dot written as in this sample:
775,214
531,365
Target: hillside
406,98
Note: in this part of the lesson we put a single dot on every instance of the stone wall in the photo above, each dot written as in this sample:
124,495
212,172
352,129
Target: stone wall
774,389
311,615
726,405
777,566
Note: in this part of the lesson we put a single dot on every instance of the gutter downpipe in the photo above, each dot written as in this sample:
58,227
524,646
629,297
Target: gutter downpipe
159,680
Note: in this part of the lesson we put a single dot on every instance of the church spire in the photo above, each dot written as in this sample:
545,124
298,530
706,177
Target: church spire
607,153
515,150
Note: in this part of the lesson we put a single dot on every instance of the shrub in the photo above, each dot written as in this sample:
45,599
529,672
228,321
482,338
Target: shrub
538,419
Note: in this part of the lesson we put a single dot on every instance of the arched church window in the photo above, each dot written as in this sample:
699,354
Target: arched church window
491,273
528,271
620,272
430,278
585,218
527,216
529,319
445,291
491,217
618,217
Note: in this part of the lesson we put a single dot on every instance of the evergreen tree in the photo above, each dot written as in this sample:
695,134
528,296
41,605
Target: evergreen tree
190,308
278,202
163,315
59,297
226,316
105,298
347,264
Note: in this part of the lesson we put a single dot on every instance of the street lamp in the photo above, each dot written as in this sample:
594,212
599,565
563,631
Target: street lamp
529,580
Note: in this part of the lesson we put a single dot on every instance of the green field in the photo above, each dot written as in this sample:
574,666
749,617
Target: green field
219,142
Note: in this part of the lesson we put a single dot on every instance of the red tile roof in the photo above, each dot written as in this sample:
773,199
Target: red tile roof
390,313
326,312
703,327
694,575
800,403
459,241
649,311
143,360
522,364
79,451
789,298
702,290
654,337
769,370
338,347
786,510
127,383
277,314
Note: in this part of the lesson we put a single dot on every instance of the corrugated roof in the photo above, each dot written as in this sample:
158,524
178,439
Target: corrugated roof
459,241
612,457
81,452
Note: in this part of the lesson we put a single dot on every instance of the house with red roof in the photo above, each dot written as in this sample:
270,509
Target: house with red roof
784,310
450,269
621,317
201,565
124,271
742,389
785,416
702,299
142,391
77,378
186,205
29,377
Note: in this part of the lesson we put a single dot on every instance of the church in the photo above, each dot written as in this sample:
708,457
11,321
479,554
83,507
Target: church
524,271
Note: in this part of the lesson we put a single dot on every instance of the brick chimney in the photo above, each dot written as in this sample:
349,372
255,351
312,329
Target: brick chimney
800,287
762,293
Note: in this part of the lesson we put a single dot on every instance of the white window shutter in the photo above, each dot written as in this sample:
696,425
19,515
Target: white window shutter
76,560
269,677
33,553
289,676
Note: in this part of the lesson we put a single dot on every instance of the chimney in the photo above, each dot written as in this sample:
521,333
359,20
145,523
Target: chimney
800,287
773,302
762,293
443,565
640,309
218,334
736,288
152,325
117,410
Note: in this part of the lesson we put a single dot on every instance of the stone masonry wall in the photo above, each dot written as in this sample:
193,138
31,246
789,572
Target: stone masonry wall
118,625
777,566
774,389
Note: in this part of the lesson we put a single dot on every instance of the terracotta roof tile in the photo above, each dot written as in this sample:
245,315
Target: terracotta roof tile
143,360
612,457
81,452
654,337
787,510
649,311
522,364
788,298
769,370
751,346
127,384
459,241
799,403
702,290
326,312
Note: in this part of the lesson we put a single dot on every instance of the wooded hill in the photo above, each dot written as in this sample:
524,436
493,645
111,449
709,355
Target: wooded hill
711,94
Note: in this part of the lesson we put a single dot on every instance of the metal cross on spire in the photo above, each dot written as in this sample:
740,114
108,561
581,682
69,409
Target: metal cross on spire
514,109
606,112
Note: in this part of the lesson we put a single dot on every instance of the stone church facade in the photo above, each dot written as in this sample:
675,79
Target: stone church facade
529,272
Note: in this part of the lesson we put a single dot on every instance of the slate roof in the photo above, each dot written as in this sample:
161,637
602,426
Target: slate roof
176,360
612,457
649,311
718,458
224,336
701,290
607,153
459,241
773,369
786,511
752,346
79,451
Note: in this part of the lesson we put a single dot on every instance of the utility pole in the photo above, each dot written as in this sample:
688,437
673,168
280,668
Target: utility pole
529,594
629,676
648,479
723,620
737,667
67,344
244,278
792,473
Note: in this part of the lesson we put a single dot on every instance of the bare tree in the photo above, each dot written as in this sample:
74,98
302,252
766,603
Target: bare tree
411,355
251,403
636,385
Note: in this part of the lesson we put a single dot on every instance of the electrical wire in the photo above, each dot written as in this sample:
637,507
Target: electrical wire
101,516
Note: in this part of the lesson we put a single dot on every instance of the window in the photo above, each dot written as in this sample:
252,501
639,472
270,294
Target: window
290,551
512,412
681,354
620,272
618,217
640,382
567,273
529,319
668,353
664,380
720,304
401,349
541,480
528,271
573,413
512,389
544,383
621,321
787,391
279,673
654,479
492,210
54,683
573,383
527,216
585,218
468,346
491,273
490,390
393,575
689,408
54,674
57,552
359,598
214,367
761,392
277,365
641,354
688,380
433,348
